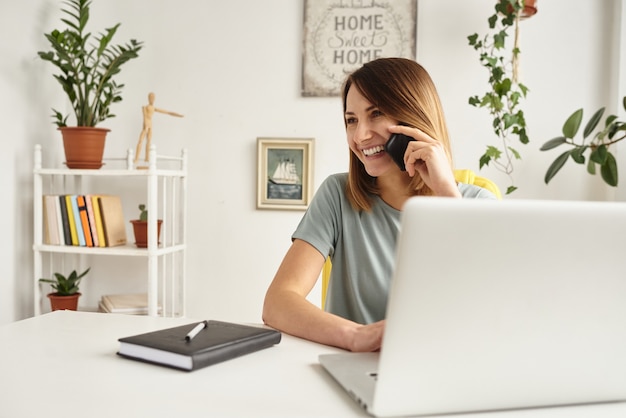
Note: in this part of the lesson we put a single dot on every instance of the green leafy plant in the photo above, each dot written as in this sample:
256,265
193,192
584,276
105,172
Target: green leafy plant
65,286
143,213
504,97
597,146
87,65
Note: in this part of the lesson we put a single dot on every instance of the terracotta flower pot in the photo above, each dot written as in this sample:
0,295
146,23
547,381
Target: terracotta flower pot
60,303
140,229
530,9
84,146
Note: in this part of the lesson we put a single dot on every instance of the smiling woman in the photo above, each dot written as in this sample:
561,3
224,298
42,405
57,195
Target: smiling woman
354,217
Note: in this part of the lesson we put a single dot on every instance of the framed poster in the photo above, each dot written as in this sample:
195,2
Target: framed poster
342,35
285,173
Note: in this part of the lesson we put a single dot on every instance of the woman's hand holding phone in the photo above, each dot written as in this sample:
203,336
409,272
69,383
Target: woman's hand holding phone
425,156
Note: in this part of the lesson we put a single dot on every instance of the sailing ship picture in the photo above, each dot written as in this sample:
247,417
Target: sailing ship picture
284,172
285,182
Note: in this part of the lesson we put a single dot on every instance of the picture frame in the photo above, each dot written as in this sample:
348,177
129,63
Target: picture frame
284,173
339,36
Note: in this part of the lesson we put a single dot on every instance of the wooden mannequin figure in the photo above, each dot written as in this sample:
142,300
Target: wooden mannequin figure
146,131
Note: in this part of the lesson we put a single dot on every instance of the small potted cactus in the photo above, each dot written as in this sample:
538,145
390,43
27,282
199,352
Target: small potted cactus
140,227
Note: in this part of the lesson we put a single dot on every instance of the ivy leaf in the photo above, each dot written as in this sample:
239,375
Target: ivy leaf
484,160
474,101
491,153
515,153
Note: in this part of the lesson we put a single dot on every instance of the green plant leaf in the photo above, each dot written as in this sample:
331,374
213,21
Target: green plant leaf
593,122
556,166
608,170
591,166
515,153
510,189
577,154
86,68
572,124
503,97
599,155
484,160
553,143
65,286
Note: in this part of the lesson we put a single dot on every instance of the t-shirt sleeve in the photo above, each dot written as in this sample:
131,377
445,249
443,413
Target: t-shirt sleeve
320,225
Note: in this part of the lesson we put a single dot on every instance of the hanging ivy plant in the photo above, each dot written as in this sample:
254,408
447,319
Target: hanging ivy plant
504,97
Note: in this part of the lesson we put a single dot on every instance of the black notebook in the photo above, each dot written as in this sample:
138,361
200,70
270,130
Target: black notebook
216,342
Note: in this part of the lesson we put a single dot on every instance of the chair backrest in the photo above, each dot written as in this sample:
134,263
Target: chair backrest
469,177
462,176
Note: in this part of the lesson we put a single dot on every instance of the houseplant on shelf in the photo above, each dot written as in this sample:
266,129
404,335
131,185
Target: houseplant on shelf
504,97
66,290
140,227
611,131
87,66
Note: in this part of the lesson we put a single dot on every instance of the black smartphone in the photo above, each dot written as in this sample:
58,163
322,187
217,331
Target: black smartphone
396,147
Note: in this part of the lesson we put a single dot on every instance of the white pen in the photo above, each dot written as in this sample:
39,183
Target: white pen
196,330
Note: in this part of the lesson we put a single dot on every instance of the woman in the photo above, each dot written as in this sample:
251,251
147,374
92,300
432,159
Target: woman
354,217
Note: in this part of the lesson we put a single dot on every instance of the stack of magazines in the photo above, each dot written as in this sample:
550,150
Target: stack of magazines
128,303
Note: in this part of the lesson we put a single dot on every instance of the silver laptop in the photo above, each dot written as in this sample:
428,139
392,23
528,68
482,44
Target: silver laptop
498,305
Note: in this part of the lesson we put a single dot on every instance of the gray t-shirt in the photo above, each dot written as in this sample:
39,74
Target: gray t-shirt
361,246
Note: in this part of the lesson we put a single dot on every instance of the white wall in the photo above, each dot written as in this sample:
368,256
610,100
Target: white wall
233,68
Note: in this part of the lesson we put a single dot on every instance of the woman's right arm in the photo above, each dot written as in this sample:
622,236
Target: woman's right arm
287,309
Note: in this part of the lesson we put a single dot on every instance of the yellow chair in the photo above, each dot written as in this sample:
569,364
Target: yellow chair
462,176
469,177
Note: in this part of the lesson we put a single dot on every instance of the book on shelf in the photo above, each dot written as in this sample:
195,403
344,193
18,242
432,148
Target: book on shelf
215,342
60,229
91,217
98,220
112,216
65,220
50,221
127,303
84,220
78,221
70,219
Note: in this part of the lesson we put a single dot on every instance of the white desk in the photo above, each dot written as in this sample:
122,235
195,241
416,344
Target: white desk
67,360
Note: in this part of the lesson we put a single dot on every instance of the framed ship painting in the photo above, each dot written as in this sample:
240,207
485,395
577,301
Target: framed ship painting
284,178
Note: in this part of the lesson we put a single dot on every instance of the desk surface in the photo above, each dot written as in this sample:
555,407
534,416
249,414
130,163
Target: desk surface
72,355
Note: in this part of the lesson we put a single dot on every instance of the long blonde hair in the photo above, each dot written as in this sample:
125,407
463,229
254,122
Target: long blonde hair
403,90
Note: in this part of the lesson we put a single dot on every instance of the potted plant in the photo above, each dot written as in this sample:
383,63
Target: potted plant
504,97
597,147
87,66
140,227
66,290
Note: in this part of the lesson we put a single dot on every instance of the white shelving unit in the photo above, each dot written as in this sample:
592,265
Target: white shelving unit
166,187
